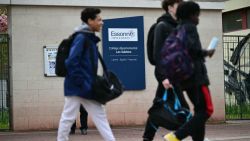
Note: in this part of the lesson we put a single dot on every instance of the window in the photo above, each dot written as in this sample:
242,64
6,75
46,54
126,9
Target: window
236,20
248,18
232,21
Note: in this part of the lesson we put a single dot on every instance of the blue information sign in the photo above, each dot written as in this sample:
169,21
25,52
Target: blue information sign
123,50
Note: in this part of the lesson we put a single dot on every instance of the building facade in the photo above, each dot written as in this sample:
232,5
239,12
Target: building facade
236,17
37,101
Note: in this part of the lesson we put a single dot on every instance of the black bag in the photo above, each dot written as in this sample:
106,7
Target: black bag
168,113
62,54
106,87
150,44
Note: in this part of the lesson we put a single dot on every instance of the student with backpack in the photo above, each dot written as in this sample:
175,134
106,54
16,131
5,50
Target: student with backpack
196,85
80,76
156,38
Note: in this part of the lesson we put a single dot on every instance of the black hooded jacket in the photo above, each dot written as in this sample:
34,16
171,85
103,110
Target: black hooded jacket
165,25
197,54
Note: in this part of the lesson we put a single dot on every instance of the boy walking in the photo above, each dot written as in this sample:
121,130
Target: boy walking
197,85
165,25
81,72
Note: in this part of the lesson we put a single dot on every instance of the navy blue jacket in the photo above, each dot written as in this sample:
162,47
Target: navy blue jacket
82,69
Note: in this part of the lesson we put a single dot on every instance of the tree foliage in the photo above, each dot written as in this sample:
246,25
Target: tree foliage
3,20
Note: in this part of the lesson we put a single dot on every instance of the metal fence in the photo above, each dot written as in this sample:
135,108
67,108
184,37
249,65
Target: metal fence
4,82
237,77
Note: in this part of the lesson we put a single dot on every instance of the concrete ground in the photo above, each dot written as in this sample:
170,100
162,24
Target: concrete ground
236,131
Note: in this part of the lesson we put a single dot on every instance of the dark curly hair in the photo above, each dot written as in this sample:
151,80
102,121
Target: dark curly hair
166,3
187,9
89,13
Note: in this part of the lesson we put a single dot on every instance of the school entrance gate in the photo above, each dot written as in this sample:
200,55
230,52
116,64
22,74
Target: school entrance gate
237,76
4,83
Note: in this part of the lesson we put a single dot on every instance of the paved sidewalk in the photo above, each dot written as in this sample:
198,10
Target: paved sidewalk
215,132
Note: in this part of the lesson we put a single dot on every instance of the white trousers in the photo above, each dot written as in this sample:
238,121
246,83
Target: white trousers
94,109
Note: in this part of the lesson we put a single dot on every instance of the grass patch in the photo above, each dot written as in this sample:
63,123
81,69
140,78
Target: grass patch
238,111
4,119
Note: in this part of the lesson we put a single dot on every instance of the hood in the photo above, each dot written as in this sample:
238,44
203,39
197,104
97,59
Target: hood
84,28
167,18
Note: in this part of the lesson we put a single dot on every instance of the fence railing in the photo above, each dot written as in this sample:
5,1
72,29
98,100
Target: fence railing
237,77
4,82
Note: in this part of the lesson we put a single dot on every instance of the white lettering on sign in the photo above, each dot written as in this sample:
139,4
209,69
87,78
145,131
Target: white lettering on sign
123,34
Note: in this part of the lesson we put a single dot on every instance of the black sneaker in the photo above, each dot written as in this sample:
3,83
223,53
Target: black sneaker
83,131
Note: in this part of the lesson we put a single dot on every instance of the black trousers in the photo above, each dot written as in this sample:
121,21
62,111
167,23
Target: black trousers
150,130
203,109
83,119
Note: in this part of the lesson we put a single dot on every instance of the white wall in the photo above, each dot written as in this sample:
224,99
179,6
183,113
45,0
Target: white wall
231,5
106,3
240,32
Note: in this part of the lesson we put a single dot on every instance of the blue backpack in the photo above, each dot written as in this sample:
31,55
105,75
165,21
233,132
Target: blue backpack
176,63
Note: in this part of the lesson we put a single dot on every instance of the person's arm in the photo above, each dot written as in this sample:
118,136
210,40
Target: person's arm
162,31
72,63
193,42
160,34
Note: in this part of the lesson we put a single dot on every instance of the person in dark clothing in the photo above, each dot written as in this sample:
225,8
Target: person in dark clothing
165,25
196,86
83,121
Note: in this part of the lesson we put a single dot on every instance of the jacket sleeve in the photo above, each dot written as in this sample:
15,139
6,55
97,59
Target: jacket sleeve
193,42
73,62
162,30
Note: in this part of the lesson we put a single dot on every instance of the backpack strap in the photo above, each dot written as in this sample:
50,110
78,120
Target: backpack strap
103,63
87,43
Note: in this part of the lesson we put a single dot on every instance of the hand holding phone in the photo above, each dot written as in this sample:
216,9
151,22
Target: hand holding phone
213,43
